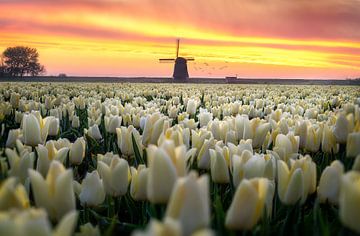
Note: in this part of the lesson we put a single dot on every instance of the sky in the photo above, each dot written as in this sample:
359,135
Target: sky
245,38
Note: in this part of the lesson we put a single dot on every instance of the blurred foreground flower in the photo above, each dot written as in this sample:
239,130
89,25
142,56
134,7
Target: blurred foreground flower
353,145
248,204
349,203
55,193
34,222
13,195
330,180
190,203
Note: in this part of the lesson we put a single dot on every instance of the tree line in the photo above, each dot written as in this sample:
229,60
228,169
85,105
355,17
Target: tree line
20,61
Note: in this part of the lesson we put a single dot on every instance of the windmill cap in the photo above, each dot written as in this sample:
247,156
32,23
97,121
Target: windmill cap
180,60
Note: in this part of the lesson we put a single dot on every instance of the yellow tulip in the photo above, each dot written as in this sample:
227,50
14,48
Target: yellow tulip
55,193
286,146
353,145
153,127
116,177
19,165
34,222
203,158
190,203
13,195
260,134
162,175
219,167
198,138
248,204
313,139
32,131
296,183
328,143
124,140
340,129
138,182
329,185
77,151
48,153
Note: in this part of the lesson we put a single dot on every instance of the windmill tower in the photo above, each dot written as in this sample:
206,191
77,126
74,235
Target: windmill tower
180,73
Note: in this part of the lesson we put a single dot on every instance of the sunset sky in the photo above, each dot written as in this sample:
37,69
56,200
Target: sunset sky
247,38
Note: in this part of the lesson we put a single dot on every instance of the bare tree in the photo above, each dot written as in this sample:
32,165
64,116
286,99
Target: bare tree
20,61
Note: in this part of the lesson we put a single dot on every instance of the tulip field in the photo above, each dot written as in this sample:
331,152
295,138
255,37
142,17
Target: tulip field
179,159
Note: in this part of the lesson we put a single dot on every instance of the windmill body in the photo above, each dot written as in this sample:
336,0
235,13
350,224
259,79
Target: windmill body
180,73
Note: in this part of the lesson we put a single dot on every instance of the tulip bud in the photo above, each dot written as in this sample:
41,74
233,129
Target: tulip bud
328,144
313,139
253,195
116,177
219,167
125,142
204,117
301,130
260,134
12,137
203,159
349,201
75,123
353,145
112,122
329,185
191,107
340,129
14,100
54,126
295,184
162,175
138,183
94,132
190,203
92,190
77,151
31,130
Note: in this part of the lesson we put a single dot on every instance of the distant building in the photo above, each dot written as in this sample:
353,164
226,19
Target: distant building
231,79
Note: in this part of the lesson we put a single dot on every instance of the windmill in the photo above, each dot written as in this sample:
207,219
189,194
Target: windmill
180,66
